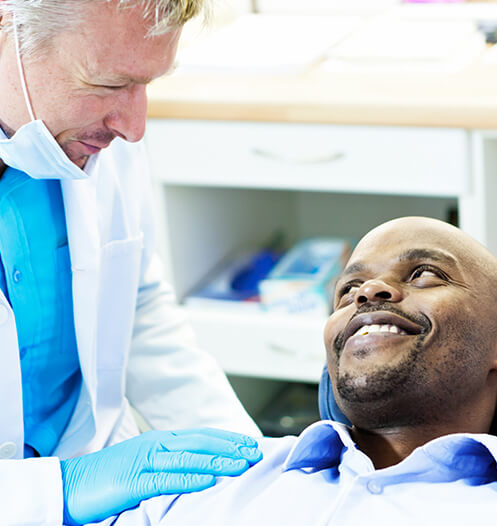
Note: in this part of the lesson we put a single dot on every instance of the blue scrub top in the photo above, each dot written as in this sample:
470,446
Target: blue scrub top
35,276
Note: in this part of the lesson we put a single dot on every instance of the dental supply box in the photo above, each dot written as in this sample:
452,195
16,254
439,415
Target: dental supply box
304,279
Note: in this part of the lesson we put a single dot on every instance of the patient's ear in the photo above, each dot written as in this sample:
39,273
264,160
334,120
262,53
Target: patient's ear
493,357
493,426
493,366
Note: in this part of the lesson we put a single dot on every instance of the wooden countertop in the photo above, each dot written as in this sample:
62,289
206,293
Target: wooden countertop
466,99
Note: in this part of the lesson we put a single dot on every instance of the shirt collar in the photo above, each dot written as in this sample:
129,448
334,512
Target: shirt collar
319,446
323,443
470,453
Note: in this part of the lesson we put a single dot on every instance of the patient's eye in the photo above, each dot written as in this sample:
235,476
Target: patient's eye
427,275
346,293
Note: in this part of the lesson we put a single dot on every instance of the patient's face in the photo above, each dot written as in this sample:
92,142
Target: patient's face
413,329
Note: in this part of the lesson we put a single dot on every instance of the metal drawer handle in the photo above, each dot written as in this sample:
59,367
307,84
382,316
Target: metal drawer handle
317,159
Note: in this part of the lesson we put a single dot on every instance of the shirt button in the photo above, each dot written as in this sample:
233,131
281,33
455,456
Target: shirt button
4,314
374,487
17,275
7,450
22,353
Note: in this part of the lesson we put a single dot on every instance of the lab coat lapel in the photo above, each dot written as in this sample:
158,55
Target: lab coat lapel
80,202
11,415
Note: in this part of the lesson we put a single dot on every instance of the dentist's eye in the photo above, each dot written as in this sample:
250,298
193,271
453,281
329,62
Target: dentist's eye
108,87
113,88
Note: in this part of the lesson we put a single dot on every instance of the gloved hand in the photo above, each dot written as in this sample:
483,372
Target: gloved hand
116,478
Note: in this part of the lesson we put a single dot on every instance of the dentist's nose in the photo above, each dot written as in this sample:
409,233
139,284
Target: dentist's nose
129,119
377,290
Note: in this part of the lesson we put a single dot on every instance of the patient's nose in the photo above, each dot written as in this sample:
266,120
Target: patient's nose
375,291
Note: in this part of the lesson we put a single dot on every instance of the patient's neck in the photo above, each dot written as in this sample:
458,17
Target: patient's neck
389,446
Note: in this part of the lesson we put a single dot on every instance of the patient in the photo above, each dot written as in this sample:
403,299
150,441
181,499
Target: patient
412,353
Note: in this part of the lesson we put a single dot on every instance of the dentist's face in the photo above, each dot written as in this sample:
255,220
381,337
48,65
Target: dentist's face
89,85
414,327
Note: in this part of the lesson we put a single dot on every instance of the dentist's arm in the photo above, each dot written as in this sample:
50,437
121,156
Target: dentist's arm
119,477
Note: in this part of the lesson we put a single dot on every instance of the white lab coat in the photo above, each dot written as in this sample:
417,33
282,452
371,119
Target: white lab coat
133,343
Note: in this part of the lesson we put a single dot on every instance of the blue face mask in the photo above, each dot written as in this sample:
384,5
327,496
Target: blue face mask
33,149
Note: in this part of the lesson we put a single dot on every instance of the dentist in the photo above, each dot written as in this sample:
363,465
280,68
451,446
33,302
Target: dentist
87,327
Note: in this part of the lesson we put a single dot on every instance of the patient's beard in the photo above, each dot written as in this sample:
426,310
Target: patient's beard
382,383
374,395
431,384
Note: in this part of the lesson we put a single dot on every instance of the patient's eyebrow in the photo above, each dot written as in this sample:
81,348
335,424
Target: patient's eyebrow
353,269
434,254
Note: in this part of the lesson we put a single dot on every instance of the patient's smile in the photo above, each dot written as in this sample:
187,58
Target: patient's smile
370,329
379,326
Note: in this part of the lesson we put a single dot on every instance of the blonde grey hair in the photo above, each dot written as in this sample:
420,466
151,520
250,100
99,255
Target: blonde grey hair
40,20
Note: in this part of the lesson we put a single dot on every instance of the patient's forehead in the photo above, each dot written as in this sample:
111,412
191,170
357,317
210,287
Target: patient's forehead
391,239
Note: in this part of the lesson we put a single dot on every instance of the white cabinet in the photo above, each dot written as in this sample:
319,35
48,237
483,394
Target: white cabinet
227,186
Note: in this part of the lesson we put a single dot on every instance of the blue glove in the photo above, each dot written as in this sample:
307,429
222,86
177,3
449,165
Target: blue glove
117,478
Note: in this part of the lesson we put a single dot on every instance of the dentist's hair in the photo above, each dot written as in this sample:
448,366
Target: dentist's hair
40,20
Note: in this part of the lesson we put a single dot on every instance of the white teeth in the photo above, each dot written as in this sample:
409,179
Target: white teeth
368,329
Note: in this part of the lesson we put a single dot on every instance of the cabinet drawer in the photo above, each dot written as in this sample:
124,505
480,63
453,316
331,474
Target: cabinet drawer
261,344
355,159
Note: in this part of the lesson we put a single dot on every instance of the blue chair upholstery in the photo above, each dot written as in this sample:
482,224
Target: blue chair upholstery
328,408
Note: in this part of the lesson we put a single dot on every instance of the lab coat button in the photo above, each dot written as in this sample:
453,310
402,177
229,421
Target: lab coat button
4,314
7,450
17,275
374,487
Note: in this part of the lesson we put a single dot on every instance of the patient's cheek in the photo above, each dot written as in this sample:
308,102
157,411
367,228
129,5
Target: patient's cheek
328,329
335,324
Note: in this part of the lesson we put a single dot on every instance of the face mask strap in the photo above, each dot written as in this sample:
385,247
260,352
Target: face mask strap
21,72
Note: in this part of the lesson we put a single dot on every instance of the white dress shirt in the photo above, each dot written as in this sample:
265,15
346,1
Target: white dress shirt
321,478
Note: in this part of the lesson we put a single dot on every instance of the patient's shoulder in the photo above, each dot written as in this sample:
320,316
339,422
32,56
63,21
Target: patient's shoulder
277,448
